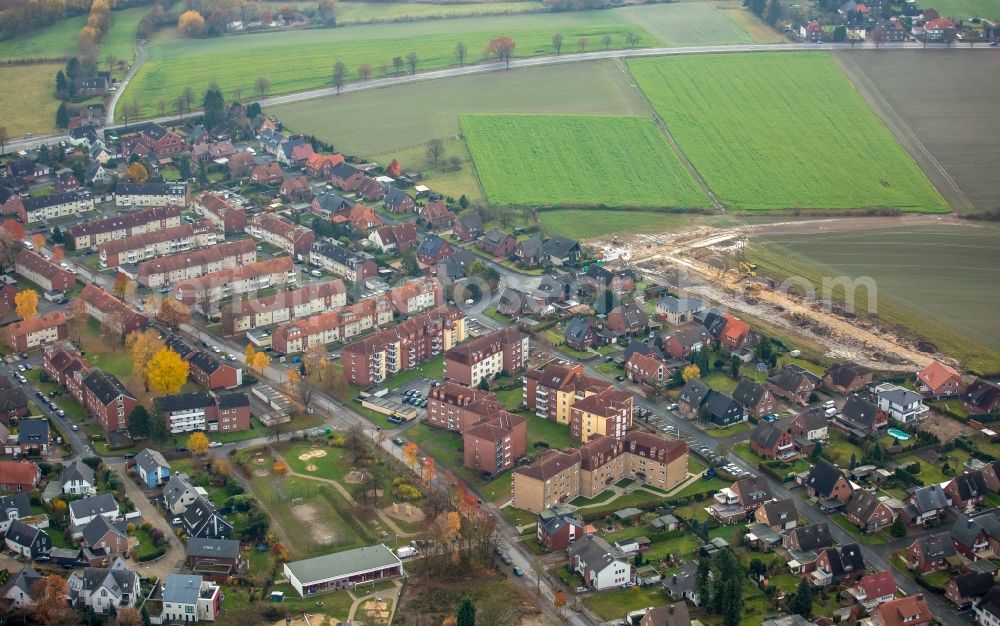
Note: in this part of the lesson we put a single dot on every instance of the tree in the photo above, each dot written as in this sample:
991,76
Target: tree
410,454
691,371
727,587
158,430
411,60
394,168
137,173
817,451
62,116
339,72
76,318
198,443
249,355
854,461
429,470
260,361
167,372
397,62
58,252
127,616
559,599
364,71
898,528
26,304
50,607
772,12
139,422
62,85
214,105
557,41
435,151
801,602
191,23
631,39
702,579
734,367
143,346
173,313
460,51
502,48
606,40
582,44
262,85
466,612
280,467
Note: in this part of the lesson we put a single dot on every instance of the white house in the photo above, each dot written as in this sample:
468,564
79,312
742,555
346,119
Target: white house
78,479
18,589
13,507
987,612
102,589
189,599
179,494
592,559
82,512
900,404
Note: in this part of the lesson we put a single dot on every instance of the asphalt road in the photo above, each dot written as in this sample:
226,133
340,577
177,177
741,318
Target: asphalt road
488,67
141,58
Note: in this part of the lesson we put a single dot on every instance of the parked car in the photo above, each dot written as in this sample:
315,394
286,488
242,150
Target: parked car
672,406
518,571
620,378
581,590
770,417
398,441
215,444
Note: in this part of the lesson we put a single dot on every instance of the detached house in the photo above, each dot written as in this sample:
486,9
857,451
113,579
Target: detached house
78,479
977,537
436,215
733,504
875,588
754,397
560,251
967,490
932,553
981,396
27,541
938,380
592,558
345,176
698,400
795,384
966,589
468,227
867,512
558,527
104,590
778,515
772,442
810,425
398,201
82,512
647,369
628,318
861,417
19,588
497,243
925,504
846,378
908,611
900,404
838,564
677,311
827,482
202,519
682,344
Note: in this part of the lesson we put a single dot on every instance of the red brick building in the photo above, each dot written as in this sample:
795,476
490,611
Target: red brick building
47,274
212,373
282,233
496,443
938,380
67,369
505,350
232,413
107,399
100,304
456,407
31,333
226,216
90,234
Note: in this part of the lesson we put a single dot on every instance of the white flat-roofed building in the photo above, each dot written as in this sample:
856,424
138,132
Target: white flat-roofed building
343,570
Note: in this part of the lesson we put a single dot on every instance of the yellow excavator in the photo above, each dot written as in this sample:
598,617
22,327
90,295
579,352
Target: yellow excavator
749,269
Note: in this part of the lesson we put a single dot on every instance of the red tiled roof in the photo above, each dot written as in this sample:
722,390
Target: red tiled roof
37,323
936,373
18,473
878,584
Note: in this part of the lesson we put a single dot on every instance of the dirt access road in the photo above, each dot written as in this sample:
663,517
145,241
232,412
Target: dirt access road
699,259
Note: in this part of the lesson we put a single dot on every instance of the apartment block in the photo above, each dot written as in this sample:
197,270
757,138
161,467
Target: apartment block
47,274
101,305
279,232
31,333
168,270
93,233
52,206
606,413
416,295
248,278
157,243
339,325
551,391
284,306
226,216
152,194
339,261
505,350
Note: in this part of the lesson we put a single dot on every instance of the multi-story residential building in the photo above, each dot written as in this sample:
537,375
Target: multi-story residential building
605,413
100,305
339,325
108,400
416,295
152,194
31,333
177,267
232,413
458,408
66,368
393,350
186,412
47,274
558,477
339,261
551,391
226,216
213,373
93,233
211,288
900,404
496,443
284,306
157,243
188,598
505,350
277,231
52,206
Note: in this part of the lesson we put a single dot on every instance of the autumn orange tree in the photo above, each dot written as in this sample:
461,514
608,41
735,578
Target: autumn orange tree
173,313
143,346
137,173
39,240
559,599
394,168
51,608
690,372
121,284
58,252
429,470
191,23
198,443
280,467
502,48
167,372
410,453
26,304
260,361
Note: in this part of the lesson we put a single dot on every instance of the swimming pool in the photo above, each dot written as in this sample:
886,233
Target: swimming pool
898,434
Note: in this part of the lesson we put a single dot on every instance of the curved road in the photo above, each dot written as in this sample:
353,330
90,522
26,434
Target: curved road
481,68
140,59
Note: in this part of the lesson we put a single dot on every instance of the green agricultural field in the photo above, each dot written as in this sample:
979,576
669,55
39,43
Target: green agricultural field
687,24
612,161
120,39
589,223
27,99
934,281
364,12
782,131
964,9
293,61
55,42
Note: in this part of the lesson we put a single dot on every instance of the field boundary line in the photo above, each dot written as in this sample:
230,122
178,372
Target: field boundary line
902,131
675,146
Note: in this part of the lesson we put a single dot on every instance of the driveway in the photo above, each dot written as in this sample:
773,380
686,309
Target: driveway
173,560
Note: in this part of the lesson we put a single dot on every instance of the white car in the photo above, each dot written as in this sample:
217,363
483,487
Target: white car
215,444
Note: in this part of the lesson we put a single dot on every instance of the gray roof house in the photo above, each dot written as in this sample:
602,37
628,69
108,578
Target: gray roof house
179,493
684,584
104,589
559,250
13,507
81,512
152,467
27,541
78,478
18,589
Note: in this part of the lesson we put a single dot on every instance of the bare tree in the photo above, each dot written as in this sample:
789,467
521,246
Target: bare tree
397,62
411,60
496,610
305,393
179,103
582,44
631,39
364,71
161,107
188,96
460,51
606,40
357,444
238,94
435,150
557,41
263,85
339,72
3,140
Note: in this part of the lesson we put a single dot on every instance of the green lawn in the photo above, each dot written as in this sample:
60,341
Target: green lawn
120,39
446,447
729,431
297,60
720,381
840,449
551,432
145,547
511,398
688,24
609,161
362,12
613,605
963,9
433,369
771,131
332,464
28,97
854,531
54,42
703,486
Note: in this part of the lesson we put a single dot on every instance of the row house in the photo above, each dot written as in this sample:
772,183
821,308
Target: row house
794,384
606,413
248,278
281,233
340,325
50,207
92,233
550,391
339,261
157,243
227,217
101,305
485,357
416,340
36,331
107,400
416,295
284,306
171,269
152,194
66,368
47,274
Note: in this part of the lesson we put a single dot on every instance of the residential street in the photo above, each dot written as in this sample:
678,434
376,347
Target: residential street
173,560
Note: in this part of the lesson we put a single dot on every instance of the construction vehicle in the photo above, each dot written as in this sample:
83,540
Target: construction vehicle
748,269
